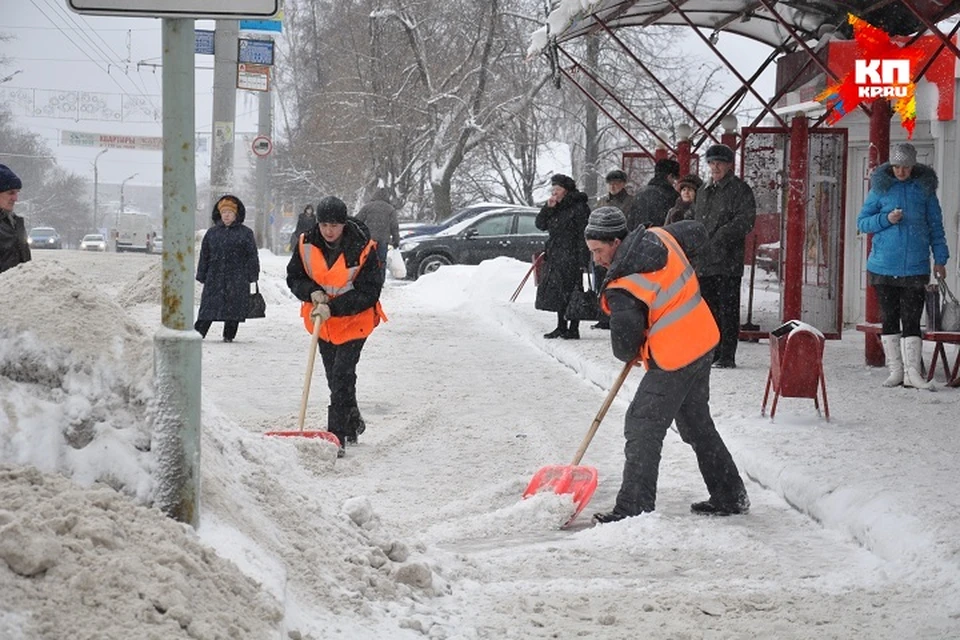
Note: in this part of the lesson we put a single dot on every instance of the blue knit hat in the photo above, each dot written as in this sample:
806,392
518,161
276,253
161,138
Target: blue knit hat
8,179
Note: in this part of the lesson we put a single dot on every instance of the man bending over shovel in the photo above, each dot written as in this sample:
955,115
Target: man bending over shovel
657,316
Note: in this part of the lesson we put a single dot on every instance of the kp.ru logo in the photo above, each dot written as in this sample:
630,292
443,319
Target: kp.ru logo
882,70
882,78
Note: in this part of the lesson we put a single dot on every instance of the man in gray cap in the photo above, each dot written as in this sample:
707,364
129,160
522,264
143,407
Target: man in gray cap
658,317
727,208
617,196
654,200
14,249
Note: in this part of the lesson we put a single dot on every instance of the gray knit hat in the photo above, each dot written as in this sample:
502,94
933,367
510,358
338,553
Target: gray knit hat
606,223
903,155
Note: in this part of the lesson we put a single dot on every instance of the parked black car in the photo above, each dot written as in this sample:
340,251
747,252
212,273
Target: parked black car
509,231
410,229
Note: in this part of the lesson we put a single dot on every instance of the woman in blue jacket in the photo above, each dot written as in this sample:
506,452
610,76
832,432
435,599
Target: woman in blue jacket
903,214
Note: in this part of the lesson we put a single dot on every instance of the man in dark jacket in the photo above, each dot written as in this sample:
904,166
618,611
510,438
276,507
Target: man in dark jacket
657,317
727,208
14,249
654,200
565,256
617,196
305,221
381,218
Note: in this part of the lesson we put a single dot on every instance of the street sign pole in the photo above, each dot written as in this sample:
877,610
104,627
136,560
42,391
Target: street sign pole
264,128
176,440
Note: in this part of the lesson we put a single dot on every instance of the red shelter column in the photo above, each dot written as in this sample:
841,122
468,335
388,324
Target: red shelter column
683,148
880,117
796,215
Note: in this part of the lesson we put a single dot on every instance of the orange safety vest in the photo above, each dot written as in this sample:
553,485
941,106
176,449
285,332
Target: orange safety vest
681,327
336,281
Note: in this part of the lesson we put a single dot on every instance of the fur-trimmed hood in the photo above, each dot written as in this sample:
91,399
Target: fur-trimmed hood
883,178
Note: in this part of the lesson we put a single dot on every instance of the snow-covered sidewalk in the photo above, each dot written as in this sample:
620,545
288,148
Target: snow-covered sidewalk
420,531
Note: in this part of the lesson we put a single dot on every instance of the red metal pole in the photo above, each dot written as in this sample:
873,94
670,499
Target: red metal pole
683,156
879,153
660,153
796,216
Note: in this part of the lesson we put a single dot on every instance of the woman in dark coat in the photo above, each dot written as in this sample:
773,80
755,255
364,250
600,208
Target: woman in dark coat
564,217
228,264
305,221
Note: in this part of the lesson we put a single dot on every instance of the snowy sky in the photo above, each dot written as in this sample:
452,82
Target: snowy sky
420,531
59,50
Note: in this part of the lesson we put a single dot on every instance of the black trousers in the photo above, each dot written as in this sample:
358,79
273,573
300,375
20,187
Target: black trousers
340,365
662,397
229,328
722,295
900,306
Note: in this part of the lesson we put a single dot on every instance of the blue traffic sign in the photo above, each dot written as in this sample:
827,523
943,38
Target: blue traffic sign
255,51
261,25
203,41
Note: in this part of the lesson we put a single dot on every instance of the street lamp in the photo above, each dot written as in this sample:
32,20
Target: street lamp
96,187
122,185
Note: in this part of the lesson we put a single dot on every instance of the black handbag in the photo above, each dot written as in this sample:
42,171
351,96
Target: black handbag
257,306
583,305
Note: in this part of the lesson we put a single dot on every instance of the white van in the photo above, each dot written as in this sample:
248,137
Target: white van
134,232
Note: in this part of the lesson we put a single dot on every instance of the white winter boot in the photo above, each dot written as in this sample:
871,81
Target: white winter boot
891,350
913,352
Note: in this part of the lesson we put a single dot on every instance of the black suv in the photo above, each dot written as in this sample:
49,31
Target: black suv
509,232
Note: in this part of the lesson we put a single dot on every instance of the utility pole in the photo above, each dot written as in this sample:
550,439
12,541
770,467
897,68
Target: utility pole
96,189
224,109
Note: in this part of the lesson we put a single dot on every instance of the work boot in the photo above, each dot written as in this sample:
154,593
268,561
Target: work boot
912,356
894,359
556,333
609,516
715,507
355,425
571,334
336,422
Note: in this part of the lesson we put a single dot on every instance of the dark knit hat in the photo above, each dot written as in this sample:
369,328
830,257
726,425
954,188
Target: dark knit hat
8,179
564,181
606,223
616,175
666,167
719,153
331,209
901,155
691,180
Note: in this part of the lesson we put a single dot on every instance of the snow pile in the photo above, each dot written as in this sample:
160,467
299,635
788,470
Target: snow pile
147,288
76,379
87,563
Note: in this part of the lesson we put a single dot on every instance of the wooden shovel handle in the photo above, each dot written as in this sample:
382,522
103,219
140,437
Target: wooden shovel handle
314,340
603,411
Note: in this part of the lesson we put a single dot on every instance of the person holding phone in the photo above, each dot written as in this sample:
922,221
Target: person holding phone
903,214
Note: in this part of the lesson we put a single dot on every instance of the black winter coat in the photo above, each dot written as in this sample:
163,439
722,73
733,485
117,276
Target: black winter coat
228,264
305,222
14,249
565,254
652,203
728,210
367,284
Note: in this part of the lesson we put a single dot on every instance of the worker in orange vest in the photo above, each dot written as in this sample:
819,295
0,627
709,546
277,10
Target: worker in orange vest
658,317
335,272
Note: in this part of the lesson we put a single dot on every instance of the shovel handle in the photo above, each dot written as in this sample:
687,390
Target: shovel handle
314,340
603,411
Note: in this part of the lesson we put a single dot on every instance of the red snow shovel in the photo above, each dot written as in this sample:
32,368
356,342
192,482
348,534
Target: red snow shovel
580,481
324,435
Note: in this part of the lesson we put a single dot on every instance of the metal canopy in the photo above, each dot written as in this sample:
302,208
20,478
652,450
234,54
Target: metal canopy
809,19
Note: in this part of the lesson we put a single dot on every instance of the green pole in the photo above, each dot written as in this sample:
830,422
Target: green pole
177,347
